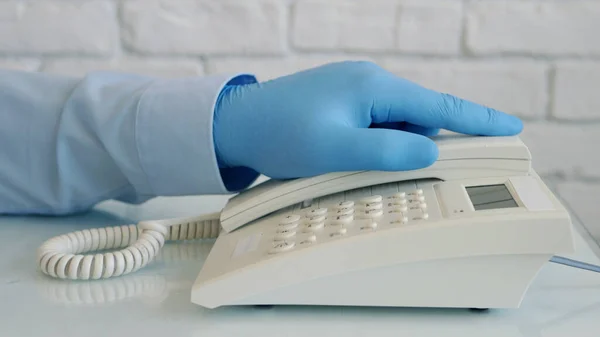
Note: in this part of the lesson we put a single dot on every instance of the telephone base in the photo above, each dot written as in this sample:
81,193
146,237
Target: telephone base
498,281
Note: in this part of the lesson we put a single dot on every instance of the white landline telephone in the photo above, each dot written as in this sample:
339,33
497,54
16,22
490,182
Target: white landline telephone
470,231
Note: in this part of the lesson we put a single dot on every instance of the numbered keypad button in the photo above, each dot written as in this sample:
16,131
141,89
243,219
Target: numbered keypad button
398,210
281,247
425,216
374,205
342,219
284,234
290,219
345,204
416,192
371,199
399,195
338,233
292,225
316,219
371,214
397,202
399,220
343,211
316,212
420,206
312,227
369,226
308,240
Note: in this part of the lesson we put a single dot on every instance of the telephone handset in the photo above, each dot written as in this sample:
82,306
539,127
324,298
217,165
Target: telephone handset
472,230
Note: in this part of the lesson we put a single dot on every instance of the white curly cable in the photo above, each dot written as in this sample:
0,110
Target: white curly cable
64,256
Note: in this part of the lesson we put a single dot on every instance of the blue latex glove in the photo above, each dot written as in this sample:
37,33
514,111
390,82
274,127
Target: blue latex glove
342,117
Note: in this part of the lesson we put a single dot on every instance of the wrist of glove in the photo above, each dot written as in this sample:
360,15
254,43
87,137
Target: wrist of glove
343,116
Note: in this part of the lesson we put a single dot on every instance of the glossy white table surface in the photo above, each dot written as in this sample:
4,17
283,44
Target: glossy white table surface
155,301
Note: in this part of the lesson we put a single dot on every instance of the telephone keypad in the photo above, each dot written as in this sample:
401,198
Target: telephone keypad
350,213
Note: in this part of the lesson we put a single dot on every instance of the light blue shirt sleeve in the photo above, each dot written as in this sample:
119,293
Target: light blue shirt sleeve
69,143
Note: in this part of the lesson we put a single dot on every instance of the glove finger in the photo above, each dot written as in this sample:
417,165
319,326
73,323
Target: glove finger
408,127
378,150
425,131
399,100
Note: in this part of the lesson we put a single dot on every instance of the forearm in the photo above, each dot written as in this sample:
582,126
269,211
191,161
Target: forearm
70,143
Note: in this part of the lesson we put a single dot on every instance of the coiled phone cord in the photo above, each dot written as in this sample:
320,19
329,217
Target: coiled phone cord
65,257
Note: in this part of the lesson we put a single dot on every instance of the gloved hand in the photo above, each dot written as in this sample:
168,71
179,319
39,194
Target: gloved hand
342,117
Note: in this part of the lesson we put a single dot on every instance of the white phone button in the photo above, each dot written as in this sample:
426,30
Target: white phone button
287,225
417,192
284,234
397,202
315,219
282,247
418,198
311,227
399,195
344,211
400,220
425,216
419,206
369,226
371,214
374,205
342,219
371,199
315,212
400,209
345,204
339,232
309,240
290,219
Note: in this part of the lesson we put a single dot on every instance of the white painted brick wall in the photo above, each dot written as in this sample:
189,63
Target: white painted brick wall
538,27
56,27
431,27
204,27
539,59
577,90
517,87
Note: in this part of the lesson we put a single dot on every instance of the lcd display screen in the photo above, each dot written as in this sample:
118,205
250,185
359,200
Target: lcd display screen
491,197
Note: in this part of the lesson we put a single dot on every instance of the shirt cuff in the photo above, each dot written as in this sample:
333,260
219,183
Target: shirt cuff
174,136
